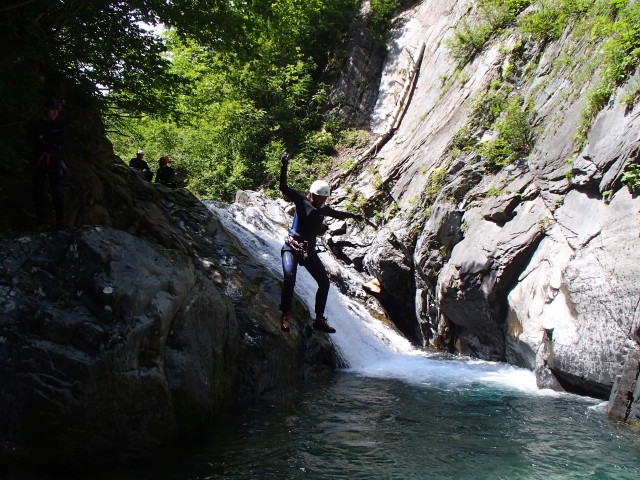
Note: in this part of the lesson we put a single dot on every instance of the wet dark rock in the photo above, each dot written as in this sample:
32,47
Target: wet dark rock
624,402
111,345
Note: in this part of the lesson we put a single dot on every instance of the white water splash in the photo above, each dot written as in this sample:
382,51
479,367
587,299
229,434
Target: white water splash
368,346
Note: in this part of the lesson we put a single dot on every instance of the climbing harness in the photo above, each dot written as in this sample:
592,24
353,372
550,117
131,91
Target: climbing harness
301,248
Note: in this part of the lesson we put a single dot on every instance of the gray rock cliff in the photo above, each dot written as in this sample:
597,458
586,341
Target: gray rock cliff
534,262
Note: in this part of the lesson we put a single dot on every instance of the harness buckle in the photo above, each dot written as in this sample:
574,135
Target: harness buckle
301,247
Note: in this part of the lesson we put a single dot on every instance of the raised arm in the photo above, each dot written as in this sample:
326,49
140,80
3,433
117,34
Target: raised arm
288,192
284,165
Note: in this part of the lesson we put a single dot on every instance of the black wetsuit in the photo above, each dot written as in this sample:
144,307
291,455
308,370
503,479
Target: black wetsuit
47,138
140,164
307,224
166,176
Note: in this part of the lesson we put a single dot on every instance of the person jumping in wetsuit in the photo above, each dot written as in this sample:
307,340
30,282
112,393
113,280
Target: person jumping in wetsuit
300,245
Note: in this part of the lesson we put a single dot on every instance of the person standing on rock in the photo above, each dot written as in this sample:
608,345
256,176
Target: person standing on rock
138,163
300,246
46,135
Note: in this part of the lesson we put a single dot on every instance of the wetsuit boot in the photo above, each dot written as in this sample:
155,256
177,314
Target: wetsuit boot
322,325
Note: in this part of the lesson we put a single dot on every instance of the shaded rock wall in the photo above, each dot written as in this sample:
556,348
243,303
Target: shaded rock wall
139,325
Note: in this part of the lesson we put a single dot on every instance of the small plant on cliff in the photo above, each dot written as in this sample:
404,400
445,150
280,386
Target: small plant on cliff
433,184
493,191
355,201
352,138
377,179
545,223
348,165
514,136
631,177
631,97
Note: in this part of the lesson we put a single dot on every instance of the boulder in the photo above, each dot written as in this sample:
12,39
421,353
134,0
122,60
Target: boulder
391,264
113,347
473,285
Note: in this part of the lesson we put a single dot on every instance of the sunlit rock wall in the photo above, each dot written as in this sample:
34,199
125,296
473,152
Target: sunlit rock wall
536,263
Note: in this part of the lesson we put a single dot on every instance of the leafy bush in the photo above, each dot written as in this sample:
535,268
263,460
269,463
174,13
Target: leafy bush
631,177
433,184
514,136
352,138
379,19
493,17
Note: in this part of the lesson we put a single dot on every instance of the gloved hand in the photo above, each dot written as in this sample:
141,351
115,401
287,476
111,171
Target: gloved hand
284,159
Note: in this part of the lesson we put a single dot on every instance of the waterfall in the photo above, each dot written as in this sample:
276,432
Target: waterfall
367,345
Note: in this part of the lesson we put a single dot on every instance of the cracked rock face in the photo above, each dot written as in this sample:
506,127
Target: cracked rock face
536,263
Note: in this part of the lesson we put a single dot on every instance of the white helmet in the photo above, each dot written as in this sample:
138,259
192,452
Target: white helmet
140,152
320,187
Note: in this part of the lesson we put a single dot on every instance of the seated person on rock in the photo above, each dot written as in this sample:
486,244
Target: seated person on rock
165,174
138,163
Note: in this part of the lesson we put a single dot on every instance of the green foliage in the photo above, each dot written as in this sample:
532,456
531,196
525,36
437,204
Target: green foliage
378,181
545,223
489,105
631,97
514,136
101,46
379,18
551,17
498,110
384,216
352,138
615,21
355,202
249,100
631,177
493,191
493,16
348,165
467,41
434,181
622,51
463,139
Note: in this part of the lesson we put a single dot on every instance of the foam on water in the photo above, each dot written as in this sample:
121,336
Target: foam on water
367,345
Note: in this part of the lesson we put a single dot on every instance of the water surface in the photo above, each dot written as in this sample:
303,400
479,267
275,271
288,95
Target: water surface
368,428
